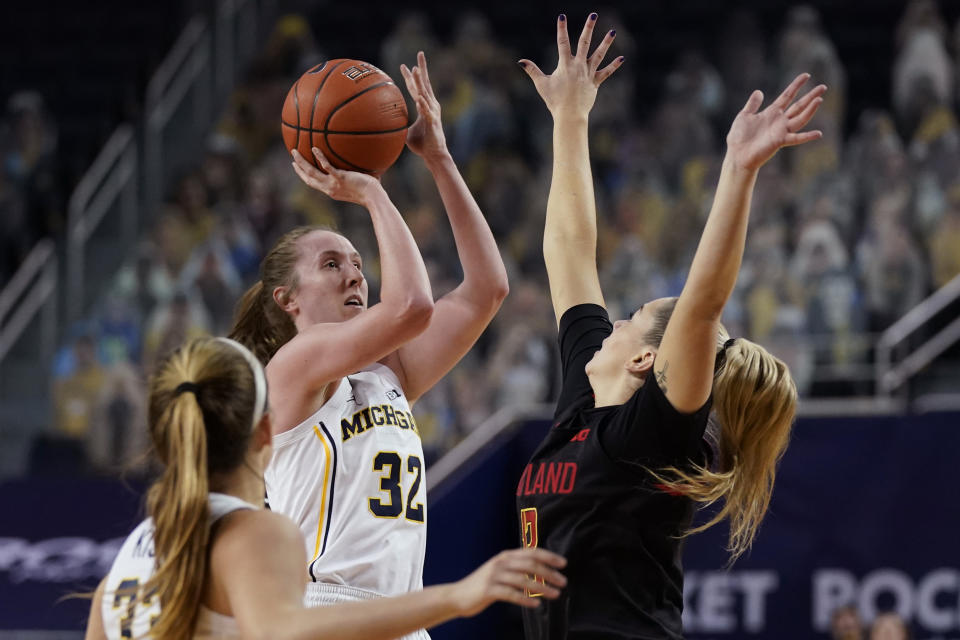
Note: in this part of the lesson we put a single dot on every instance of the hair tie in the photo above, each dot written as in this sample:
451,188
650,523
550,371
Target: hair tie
729,343
186,386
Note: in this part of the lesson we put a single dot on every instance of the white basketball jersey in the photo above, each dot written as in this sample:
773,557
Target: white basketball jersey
128,612
351,476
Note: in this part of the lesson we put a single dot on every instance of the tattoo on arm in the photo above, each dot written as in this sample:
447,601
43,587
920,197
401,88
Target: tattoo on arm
662,376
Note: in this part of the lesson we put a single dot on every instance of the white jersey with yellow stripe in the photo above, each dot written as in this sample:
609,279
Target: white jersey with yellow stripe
128,611
352,477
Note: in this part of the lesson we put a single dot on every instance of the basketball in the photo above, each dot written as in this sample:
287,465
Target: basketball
352,111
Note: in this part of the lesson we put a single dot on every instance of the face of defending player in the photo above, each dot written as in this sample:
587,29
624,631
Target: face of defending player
330,286
626,351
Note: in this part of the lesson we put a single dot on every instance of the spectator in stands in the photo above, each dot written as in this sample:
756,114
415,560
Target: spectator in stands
172,324
845,624
923,72
889,626
75,395
117,439
944,242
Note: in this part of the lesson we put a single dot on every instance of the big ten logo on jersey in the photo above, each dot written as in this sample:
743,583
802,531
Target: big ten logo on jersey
531,538
380,415
358,71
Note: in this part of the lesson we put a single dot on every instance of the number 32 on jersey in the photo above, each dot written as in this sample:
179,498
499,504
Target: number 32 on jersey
530,536
390,465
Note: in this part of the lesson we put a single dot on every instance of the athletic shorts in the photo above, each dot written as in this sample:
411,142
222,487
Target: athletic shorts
320,594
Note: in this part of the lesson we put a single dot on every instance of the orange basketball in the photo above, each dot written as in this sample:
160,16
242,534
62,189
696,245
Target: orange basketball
350,110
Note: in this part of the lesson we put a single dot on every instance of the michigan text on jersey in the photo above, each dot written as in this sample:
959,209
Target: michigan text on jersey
380,415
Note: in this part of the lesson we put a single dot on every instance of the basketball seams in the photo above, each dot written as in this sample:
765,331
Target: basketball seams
326,125
316,96
310,128
296,107
348,133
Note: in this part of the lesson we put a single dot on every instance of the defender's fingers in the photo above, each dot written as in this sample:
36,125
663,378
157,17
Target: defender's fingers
563,39
597,57
806,115
583,46
753,102
793,139
805,100
531,68
608,70
785,98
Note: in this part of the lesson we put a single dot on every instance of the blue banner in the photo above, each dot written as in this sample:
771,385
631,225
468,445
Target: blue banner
864,512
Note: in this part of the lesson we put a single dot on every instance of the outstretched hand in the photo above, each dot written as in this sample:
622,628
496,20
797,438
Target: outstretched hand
755,136
425,136
512,576
572,87
339,184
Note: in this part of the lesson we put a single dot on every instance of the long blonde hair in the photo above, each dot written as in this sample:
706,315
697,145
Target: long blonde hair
259,323
200,415
754,402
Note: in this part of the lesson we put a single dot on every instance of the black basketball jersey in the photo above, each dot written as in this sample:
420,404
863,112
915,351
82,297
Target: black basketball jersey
586,494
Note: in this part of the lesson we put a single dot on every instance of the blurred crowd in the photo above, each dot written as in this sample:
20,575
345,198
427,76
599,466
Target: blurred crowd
846,235
31,205
846,624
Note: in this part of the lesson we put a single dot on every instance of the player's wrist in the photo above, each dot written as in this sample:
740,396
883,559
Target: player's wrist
437,159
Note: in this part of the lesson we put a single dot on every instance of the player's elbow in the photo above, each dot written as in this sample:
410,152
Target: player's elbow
414,315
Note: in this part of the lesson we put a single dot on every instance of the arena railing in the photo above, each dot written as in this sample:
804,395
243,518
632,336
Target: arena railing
108,186
892,376
31,290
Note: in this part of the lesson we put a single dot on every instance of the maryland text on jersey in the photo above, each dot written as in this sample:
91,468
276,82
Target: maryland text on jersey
378,415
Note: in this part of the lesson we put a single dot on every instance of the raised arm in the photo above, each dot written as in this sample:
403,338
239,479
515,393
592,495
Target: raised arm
460,316
570,234
259,563
685,360
325,352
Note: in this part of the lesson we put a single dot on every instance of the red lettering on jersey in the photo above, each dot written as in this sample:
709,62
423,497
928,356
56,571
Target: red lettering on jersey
551,477
569,477
538,481
524,479
581,436
554,471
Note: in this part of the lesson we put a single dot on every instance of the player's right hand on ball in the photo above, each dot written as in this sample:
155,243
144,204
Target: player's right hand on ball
510,576
339,184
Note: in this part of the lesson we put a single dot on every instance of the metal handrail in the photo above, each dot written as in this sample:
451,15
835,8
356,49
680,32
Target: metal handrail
889,377
39,273
113,173
166,91
168,69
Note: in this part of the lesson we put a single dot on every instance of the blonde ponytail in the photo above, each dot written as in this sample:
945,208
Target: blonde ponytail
754,400
178,504
202,406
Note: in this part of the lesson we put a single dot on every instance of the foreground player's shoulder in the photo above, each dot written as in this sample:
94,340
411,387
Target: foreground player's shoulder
247,531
